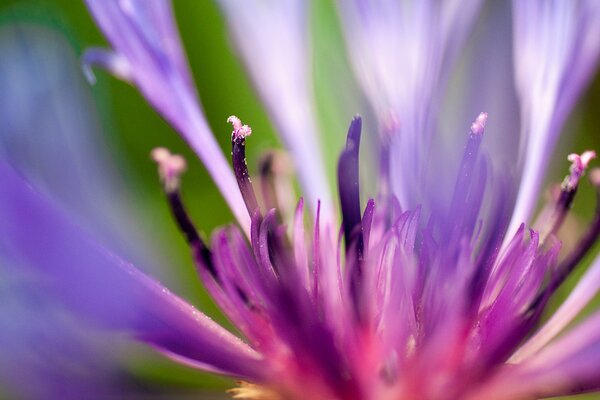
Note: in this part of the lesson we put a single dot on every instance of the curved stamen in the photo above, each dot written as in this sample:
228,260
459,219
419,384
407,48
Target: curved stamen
240,166
170,168
584,245
554,218
567,266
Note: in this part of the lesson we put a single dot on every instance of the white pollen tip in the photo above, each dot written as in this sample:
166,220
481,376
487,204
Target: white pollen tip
235,121
160,154
587,157
239,130
478,126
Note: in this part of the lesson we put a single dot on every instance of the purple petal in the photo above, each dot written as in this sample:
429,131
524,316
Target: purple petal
569,365
556,51
107,290
580,296
479,83
144,37
401,54
51,135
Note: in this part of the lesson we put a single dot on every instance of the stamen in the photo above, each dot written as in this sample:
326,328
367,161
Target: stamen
462,203
586,242
348,186
554,219
348,177
240,166
567,266
170,168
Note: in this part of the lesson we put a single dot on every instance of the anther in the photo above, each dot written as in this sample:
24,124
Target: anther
478,126
579,163
239,131
170,168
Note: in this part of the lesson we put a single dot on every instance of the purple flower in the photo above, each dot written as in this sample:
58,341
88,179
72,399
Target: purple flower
433,288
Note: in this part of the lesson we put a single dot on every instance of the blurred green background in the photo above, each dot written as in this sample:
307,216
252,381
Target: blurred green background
132,129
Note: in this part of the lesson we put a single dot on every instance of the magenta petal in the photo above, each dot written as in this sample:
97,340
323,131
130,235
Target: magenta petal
107,290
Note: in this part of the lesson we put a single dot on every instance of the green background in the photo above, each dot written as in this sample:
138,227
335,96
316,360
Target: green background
133,128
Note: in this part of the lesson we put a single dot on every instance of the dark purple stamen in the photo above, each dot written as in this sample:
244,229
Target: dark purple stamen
568,265
170,167
348,186
202,253
240,166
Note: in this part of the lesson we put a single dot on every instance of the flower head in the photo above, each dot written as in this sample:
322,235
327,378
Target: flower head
419,292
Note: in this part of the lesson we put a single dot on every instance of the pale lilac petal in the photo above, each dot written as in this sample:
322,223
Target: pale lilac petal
149,54
104,289
580,296
481,81
556,51
272,38
401,53
567,366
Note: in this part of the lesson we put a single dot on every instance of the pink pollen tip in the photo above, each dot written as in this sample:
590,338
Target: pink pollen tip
478,126
170,167
579,163
239,130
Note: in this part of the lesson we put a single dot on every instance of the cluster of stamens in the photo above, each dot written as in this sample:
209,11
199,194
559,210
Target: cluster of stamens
355,226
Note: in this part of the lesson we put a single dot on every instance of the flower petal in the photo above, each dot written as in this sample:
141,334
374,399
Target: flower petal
579,297
401,52
144,37
51,135
556,51
570,365
104,288
272,39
